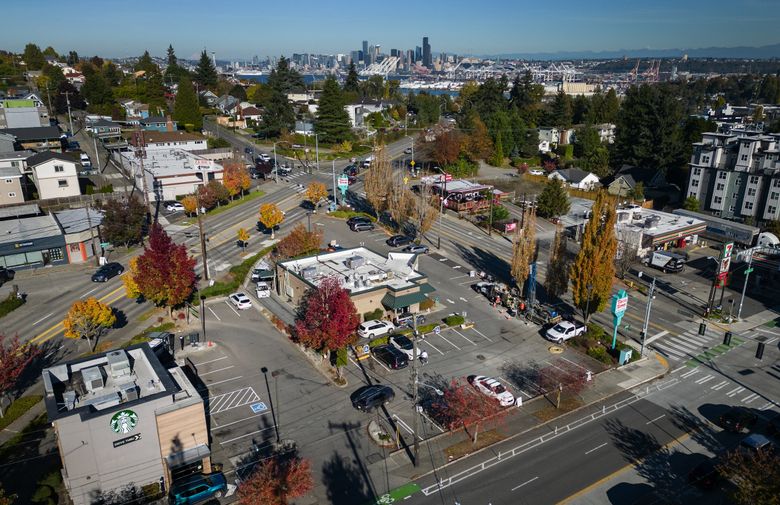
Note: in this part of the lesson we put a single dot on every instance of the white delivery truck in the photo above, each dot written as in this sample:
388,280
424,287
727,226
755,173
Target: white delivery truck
666,261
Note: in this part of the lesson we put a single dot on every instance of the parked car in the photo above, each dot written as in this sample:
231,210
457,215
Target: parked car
265,157
399,240
492,388
249,150
73,146
416,249
753,443
737,419
565,330
536,171
262,275
85,161
351,170
376,328
357,219
408,150
367,398
391,357
86,172
403,344
705,475
6,275
263,290
407,319
240,301
107,271
174,207
198,488
362,226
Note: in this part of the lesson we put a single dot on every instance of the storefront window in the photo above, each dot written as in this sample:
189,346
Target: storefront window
14,260
55,254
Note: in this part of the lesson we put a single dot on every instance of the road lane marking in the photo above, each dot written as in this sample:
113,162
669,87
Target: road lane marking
44,317
767,405
88,292
656,419
688,374
215,371
524,483
596,448
214,313
720,385
705,379
753,397
734,392
656,336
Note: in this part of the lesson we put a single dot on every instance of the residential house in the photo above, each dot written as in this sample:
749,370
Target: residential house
576,178
15,162
10,186
623,182
76,78
135,110
27,111
168,140
304,128
81,228
209,97
461,195
606,132
252,113
159,124
105,129
40,138
357,112
54,174
551,137
227,104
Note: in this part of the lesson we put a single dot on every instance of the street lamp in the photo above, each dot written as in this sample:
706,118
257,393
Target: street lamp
271,401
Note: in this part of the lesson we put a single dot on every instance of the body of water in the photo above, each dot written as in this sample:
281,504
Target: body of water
310,78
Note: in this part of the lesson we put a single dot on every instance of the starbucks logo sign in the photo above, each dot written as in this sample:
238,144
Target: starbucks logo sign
124,421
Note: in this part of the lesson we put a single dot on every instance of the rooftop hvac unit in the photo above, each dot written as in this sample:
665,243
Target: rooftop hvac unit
129,392
652,222
69,399
93,378
118,363
355,261
104,401
308,273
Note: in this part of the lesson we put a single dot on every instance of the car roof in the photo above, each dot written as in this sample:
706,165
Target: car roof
755,440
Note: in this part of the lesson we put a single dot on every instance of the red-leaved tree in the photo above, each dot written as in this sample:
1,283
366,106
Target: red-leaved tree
298,242
276,481
15,357
562,377
166,273
462,406
327,318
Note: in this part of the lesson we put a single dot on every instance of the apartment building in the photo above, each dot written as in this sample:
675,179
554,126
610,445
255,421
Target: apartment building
736,175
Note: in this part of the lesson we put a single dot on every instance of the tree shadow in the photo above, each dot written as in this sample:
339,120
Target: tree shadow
49,354
344,483
263,447
525,376
700,431
121,318
486,261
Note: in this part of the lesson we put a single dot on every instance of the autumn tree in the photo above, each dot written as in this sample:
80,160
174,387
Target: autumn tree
424,212
235,178
756,476
594,268
558,266
462,406
524,248
378,182
15,357
166,273
6,499
316,192
446,148
299,242
218,191
399,202
275,481
553,201
243,237
270,216
128,280
478,145
123,221
326,319
88,319
561,379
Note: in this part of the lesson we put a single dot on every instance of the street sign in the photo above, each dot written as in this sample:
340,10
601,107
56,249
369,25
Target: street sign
619,303
411,163
447,177
406,180
748,270
343,182
105,245
437,329
258,407
127,440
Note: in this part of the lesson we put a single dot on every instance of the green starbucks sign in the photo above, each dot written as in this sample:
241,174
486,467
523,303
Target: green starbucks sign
124,421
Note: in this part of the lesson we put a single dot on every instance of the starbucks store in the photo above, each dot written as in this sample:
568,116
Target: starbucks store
128,423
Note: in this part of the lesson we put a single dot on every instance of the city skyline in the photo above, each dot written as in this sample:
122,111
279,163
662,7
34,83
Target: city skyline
238,30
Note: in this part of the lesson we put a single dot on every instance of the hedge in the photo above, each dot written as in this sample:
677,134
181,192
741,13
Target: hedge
373,315
378,341
238,274
454,320
11,303
346,214
144,335
18,408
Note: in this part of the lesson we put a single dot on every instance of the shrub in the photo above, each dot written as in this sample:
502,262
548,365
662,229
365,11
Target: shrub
454,320
144,335
346,214
17,408
427,304
619,346
378,341
599,353
11,303
373,315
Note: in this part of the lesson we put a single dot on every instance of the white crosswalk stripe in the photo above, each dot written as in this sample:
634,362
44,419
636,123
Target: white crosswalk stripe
688,343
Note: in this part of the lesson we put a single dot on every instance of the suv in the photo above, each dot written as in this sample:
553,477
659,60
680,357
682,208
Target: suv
198,488
362,226
6,275
399,240
104,273
262,275
357,219
395,359
368,398
371,329
407,319
351,170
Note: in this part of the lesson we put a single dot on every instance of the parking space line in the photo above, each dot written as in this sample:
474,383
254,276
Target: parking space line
215,371
210,361
464,336
234,399
482,334
231,308
223,399
250,393
441,430
573,363
380,363
432,346
214,313
222,426
225,442
445,339
458,277
226,380
405,426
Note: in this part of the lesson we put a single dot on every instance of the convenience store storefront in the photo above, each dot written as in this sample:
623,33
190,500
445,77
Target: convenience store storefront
31,243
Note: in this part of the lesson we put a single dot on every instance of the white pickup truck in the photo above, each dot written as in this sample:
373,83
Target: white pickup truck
565,330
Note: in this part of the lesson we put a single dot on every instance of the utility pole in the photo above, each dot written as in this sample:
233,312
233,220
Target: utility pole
48,98
490,216
202,238
92,237
70,118
648,307
141,154
415,414
334,183
317,149
97,154
744,286
276,166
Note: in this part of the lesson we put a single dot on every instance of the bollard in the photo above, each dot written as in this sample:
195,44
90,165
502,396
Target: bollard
702,328
760,350
727,338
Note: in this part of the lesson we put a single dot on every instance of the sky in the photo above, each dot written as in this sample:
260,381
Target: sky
239,29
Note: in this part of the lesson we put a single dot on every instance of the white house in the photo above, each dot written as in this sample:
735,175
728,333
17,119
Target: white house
167,141
576,178
55,175
358,111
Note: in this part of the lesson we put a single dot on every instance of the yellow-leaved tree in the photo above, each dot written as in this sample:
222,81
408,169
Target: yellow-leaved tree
88,319
131,287
316,192
271,216
243,237
524,248
190,203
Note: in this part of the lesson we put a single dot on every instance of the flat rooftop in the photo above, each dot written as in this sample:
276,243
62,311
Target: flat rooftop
359,269
170,162
28,228
655,223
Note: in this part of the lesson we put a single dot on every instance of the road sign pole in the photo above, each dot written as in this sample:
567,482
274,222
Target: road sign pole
744,286
647,318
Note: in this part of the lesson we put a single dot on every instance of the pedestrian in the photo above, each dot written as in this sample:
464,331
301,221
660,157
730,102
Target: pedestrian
424,357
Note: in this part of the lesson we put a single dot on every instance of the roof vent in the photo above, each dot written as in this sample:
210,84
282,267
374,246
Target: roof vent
308,273
355,261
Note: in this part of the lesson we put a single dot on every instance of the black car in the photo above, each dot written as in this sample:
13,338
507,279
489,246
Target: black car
357,219
6,275
399,240
390,356
737,419
351,170
362,226
368,398
262,275
107,271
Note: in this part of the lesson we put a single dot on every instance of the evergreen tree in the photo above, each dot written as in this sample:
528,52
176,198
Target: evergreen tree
73,58
171,54
61,100
580,107
593,155
332,123
497,159
285,79
205,73
594,268
553,200
146,64
50,52
526,97
33,57
556,281
186,110
97,91
279,114
352,84
561,111
238,92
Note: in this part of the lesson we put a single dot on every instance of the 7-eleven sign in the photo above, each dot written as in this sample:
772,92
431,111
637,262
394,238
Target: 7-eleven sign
727,250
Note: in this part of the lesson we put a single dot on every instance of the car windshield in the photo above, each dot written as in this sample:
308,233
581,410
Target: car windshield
498,389
559,328
403,342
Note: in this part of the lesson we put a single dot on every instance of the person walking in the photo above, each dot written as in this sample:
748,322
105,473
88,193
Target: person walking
424,357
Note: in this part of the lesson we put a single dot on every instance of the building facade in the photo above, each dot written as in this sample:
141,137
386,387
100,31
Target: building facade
55,175
736,175
10,186
29,240
165,140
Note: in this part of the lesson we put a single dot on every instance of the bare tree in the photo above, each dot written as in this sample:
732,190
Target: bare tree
379,182
425,211
626,256
399,202
524,248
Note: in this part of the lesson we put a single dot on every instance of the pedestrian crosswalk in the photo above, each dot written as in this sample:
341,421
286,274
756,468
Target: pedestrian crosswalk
694,348
736,391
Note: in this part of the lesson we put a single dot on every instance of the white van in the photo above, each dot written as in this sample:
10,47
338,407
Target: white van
85,161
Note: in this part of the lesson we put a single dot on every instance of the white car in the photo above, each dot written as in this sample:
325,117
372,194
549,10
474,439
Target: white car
565,330
174,207
240,301
264,157
263,290
371,329
403,344
492,388
536,171
85,161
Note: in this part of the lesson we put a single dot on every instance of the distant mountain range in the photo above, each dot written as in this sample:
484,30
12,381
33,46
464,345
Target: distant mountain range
742,52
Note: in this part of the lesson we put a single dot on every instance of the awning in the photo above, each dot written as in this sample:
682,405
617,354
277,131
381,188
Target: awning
398,302
426,288
187,456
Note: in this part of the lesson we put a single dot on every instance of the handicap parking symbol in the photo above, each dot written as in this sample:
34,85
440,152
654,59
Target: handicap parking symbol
258,407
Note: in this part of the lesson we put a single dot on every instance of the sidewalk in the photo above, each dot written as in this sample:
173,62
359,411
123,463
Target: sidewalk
520,422
21,422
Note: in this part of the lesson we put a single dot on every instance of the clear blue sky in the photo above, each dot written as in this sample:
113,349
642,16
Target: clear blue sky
242,28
